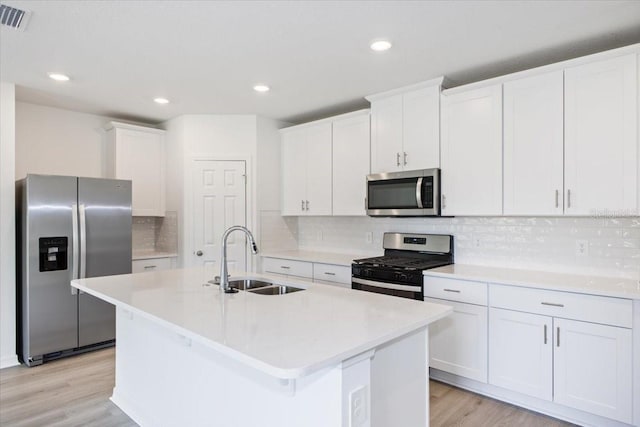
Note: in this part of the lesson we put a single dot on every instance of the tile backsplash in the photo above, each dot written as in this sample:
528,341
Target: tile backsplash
597,246
151,233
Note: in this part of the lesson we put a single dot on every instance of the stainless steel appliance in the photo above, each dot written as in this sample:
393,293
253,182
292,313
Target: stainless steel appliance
399,271
67,228
408,193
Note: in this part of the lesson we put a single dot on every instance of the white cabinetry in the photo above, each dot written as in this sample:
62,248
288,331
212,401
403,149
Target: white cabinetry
351,147
472,152
601,137
152,264
137,153
458,343
331,274
573,349
306,170
405,128
533,145
287,267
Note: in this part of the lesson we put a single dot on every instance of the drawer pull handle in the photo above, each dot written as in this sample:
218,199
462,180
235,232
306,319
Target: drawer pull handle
545,334
328,273
149,266
558,336
552,304
285,267
452,290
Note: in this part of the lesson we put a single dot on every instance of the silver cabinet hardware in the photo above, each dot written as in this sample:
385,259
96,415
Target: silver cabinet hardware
452,290
285,267
568,198
545,334
557,198
397,159
558,336
307,206
552,304
444,202
199,253
405,158
328,273
301,205
149,267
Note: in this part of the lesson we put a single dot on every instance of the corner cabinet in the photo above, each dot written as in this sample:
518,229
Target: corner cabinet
306,170
324,166
137,153
405,128
472,152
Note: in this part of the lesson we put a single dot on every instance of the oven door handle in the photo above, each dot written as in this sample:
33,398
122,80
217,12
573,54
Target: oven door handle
387,285
419,192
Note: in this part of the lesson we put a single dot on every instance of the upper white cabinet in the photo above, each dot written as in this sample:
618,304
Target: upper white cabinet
306,170
351,144
533,145
472,152
601,140
405,128
137,153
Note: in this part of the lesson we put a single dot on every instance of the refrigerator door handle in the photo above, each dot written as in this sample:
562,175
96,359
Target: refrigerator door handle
74,243
83,243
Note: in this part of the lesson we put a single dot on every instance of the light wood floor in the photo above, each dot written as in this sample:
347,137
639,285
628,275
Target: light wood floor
75,392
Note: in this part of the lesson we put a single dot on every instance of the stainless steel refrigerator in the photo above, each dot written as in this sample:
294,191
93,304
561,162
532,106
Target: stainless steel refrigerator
68,227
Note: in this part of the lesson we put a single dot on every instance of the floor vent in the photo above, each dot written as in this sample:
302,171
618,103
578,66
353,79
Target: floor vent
14,18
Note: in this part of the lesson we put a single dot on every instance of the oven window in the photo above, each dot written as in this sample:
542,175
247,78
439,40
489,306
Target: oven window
393,194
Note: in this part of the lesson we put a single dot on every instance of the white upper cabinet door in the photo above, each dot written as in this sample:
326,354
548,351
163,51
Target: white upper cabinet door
521,352
351,146
138,154
472,152
593,368
601,141
421,129
386,135
533,145
318,167
294,172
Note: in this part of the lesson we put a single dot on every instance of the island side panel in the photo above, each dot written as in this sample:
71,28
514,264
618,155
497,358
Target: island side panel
163,379
400,382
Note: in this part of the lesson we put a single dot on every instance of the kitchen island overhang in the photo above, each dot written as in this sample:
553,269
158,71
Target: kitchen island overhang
325,356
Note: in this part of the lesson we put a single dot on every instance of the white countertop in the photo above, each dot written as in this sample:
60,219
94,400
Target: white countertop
286,336
334,258
595,285
152,255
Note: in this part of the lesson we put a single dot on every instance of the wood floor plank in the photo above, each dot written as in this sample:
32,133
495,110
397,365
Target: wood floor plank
75,392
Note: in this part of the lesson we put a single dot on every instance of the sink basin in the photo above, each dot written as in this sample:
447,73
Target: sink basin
276,290
246,284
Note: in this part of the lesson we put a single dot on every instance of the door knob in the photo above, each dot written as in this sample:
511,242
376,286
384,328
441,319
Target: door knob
199,253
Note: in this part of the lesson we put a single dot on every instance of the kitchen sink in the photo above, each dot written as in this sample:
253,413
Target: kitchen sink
246,284
276,290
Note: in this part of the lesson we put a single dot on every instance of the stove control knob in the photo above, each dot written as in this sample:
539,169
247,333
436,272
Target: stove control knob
401,276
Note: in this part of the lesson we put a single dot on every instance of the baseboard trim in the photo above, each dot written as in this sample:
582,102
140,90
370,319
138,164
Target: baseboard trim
9,361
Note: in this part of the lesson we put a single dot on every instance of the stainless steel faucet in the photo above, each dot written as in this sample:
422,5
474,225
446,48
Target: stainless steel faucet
224,275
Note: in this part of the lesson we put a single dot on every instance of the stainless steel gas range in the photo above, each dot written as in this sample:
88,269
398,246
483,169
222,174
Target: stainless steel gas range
399,271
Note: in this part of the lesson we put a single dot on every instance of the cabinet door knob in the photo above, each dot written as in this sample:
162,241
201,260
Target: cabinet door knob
199,253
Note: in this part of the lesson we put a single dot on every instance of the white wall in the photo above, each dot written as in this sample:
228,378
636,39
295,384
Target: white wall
533,243
59,142
7,227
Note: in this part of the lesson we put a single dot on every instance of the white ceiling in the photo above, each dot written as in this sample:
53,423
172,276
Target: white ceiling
205,56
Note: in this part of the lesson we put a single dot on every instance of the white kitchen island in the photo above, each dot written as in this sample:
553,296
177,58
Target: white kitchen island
187,355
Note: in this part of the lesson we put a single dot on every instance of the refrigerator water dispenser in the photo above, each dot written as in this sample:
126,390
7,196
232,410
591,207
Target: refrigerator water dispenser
53,253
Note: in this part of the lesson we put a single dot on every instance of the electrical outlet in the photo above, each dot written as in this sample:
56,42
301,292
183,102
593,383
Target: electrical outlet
359,407
369,237
582,247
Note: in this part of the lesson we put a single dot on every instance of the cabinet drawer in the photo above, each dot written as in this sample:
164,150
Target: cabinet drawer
568,305
332,273
455,290
154,264
287,267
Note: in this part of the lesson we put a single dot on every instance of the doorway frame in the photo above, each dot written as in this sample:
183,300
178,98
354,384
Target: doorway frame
249,214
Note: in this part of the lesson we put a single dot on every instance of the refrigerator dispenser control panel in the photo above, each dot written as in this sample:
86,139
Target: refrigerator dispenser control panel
53,253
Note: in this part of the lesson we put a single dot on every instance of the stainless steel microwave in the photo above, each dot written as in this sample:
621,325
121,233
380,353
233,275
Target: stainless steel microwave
408,193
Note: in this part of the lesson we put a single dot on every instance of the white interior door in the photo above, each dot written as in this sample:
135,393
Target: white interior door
219,202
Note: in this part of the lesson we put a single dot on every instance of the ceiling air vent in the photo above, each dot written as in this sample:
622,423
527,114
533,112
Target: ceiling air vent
14,18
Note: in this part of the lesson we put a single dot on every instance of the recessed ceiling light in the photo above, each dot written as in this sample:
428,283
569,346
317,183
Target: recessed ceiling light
261,88
381,45
161,100
59,77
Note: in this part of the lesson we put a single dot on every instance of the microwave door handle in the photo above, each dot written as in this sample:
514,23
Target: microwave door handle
419,192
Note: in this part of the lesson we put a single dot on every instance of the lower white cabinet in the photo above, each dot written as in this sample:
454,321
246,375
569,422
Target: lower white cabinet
329,274
579,364
152,264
